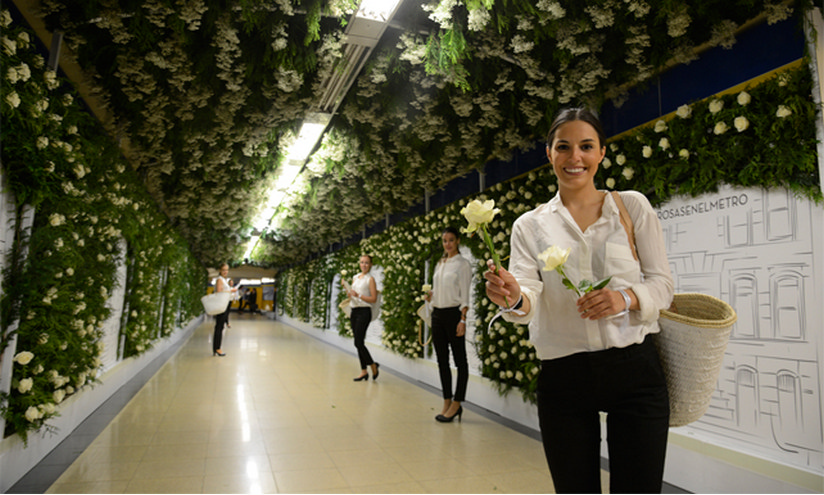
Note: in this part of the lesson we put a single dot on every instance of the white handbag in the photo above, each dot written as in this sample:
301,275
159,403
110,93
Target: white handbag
216,303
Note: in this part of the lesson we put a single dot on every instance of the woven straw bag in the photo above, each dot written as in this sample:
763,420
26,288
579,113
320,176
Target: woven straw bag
694,335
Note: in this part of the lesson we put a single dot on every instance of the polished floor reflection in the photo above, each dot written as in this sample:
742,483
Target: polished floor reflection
281,414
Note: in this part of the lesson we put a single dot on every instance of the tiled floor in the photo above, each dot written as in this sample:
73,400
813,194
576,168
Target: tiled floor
280,413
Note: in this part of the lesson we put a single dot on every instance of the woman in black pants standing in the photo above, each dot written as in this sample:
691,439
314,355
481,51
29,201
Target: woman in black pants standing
596,351
363,293
223,284
450,300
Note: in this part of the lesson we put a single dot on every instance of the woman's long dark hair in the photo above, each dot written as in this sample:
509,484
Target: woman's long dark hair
572,114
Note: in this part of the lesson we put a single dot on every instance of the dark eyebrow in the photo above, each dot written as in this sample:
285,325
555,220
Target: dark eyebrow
588,140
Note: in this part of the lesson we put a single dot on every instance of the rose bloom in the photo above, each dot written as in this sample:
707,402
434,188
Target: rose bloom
33,414
477,214
628,173
611,183
426,287
684,111
620,159
720,128
23,358
647,152
716,106
741,124
744,98
25,385
783,112
606,164
660,126
684,153
553,257
664,143
13,99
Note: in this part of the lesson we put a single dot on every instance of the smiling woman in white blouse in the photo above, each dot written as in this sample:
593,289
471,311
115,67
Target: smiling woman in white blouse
450,301
595,348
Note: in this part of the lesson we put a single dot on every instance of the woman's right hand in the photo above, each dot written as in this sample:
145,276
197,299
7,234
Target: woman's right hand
501,287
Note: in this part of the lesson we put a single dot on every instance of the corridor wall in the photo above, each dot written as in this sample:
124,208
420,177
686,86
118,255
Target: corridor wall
754,246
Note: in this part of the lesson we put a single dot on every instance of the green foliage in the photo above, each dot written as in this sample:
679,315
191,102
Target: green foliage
771,151
91,215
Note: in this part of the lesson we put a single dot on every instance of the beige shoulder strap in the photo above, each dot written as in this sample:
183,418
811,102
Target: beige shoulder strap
626,221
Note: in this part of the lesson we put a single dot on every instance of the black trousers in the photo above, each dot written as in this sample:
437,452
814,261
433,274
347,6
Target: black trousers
627,384
360,318
220,321
444,335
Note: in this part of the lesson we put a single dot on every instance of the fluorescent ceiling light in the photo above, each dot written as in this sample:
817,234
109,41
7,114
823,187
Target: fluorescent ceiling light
251,246
376,10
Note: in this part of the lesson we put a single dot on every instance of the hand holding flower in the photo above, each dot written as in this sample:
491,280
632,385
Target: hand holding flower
554,258
479,215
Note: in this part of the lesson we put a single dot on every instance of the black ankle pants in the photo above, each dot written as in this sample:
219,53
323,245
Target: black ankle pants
444,335
629,386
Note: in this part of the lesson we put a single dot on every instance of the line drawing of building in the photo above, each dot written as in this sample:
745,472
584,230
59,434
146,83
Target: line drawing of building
755,249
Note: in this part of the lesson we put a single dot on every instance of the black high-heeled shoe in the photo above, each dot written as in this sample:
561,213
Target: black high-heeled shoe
361,378
377,371
221,354
448,419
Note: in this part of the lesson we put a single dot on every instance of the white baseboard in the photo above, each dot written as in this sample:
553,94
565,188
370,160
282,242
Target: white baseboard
18,458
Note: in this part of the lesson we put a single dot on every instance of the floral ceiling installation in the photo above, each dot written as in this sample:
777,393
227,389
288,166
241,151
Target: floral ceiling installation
205,96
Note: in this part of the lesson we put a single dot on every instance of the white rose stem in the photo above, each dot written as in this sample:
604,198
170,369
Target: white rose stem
26,221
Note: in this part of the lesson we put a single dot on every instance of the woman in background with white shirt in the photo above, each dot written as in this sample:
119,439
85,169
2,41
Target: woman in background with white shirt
450,301
363,294
595,350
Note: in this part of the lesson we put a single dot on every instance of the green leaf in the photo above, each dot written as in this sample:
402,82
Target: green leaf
603,283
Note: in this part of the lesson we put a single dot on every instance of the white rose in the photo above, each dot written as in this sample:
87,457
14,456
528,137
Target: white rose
744,98
42,142
741,123
59,395
25,385
478,213
620,159
664,143
646,151
660,126
783,112
13,99
9,46
33,414
553,257
606,163
720,128
611,183
23,358
716,106
684,153
628,172
684,111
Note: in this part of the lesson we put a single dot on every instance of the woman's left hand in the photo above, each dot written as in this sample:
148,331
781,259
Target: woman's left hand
461,330
601,303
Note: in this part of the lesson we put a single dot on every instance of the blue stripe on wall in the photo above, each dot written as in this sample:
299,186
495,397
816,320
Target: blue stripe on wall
757,51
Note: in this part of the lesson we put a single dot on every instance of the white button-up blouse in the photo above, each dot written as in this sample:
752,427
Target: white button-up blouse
555,326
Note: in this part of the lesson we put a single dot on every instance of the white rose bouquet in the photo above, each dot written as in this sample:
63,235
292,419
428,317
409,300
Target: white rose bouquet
554,258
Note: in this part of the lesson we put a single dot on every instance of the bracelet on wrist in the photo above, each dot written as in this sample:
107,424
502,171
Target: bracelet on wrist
627,302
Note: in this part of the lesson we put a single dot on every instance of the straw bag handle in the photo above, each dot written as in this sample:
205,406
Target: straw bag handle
626,221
